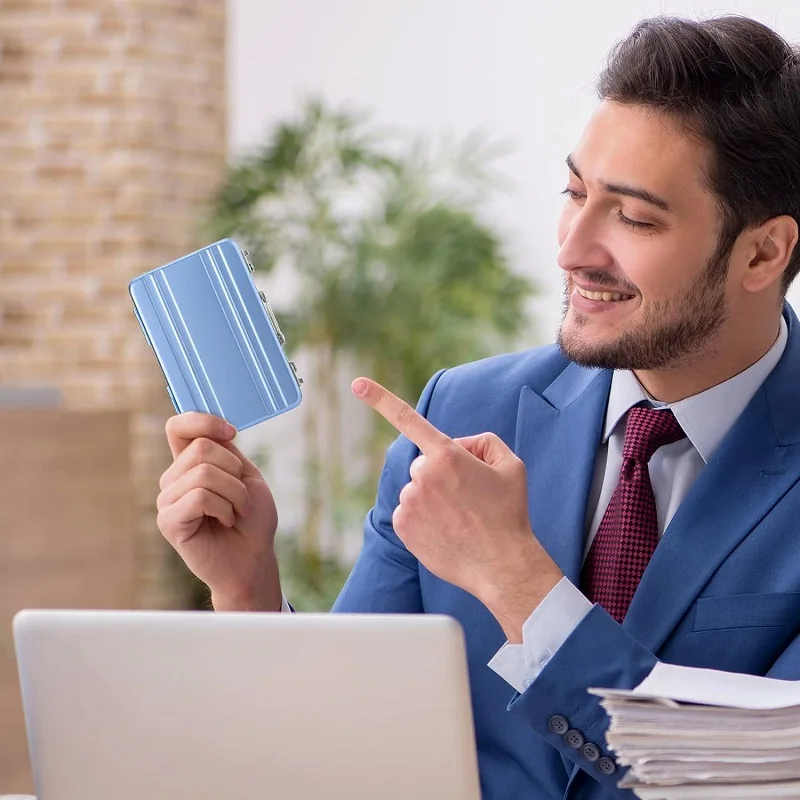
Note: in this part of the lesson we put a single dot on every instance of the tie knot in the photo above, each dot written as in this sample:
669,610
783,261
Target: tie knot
648,429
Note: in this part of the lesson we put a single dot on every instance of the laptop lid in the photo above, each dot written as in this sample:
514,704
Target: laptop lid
170,705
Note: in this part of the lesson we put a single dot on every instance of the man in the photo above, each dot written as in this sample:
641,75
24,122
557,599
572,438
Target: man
628,496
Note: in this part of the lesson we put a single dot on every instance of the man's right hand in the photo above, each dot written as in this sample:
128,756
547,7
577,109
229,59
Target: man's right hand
217,511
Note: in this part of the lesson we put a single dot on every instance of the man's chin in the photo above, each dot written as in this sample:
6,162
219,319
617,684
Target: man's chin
576,336
583,357
591,354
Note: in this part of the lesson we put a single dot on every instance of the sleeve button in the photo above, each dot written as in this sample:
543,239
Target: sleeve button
606,765
558,725
591,752
574,738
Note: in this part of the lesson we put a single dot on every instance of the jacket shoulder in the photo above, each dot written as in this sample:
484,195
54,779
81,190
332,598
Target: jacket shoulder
537,368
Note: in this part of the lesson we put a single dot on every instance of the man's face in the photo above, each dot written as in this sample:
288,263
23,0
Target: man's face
644,285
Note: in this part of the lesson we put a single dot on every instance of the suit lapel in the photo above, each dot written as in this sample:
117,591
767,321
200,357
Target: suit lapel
557,436
757,463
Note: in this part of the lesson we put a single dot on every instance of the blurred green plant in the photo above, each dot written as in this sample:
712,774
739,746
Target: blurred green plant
393,266
311,580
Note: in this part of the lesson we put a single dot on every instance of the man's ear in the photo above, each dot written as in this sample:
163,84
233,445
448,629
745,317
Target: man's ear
769,247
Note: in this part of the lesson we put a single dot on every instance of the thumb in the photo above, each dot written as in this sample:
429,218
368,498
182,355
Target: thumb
488,447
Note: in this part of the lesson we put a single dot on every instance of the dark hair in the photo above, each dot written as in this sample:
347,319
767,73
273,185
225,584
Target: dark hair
735,85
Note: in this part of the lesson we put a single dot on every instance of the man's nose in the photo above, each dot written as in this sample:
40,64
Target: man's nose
582,245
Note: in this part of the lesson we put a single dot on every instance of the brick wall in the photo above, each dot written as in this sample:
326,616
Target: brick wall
112,130
112,134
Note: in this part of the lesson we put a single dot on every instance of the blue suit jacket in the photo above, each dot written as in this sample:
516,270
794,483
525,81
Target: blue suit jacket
721,591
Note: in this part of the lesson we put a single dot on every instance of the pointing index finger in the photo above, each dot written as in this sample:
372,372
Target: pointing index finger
400,415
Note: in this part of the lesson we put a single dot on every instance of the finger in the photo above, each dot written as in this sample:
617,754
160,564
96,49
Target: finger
488,447
180,521
249,469
183,429
399,518
469,443
202,451
209,478
417,465
401,415
406,494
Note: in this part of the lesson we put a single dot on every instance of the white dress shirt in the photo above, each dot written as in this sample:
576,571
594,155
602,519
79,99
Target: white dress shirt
705,419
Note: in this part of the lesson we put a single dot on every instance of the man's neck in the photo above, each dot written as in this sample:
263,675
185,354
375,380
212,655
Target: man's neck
721,360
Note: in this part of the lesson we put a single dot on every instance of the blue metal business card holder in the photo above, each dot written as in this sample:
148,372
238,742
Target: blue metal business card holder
215,336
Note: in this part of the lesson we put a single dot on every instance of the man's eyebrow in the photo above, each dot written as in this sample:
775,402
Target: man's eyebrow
625,190
572,168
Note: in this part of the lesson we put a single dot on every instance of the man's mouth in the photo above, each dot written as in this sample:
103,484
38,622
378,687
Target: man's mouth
606,297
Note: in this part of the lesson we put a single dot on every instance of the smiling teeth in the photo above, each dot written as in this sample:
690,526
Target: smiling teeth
608,297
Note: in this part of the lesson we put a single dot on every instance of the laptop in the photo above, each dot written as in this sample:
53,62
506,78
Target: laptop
151,705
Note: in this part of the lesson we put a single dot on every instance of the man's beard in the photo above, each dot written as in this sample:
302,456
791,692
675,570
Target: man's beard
671,332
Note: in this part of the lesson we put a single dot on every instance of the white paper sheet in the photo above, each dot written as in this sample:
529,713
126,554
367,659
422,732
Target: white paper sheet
710,687
697,734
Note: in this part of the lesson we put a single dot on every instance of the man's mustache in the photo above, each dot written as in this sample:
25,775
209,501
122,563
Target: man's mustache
604,279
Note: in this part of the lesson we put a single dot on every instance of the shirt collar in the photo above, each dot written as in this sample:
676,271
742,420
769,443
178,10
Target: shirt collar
705,417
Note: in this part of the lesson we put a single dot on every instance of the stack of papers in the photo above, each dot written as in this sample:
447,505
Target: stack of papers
693,734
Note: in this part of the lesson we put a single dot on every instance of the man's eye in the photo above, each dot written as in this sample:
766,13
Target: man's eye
632,223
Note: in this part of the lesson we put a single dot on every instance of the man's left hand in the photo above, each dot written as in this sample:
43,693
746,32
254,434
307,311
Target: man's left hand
464,514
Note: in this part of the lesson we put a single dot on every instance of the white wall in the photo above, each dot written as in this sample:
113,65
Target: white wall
521,69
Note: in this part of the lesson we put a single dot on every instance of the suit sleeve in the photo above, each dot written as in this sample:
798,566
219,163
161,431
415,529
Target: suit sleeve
385,578
598,653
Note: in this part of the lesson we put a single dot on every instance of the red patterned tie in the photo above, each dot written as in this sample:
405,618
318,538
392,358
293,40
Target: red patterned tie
628,532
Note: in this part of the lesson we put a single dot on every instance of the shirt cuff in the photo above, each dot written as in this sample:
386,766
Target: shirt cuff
545,630
285,607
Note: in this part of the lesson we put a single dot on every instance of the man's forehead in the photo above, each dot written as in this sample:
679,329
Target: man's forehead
638,146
